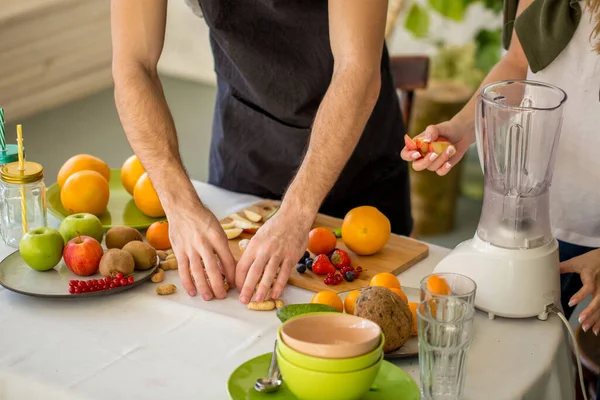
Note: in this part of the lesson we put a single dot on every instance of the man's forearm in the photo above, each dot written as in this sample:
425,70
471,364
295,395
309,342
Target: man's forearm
337,128
151,132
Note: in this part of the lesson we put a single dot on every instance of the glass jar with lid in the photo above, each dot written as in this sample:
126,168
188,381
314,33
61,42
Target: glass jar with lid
13,184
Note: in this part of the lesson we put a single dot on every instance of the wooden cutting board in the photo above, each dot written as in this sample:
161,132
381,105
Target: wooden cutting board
398,255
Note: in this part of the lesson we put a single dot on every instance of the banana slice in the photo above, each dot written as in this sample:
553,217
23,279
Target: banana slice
243,244
233,233
252,216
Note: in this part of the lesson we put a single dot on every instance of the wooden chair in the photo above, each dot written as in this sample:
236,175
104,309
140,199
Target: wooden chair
589,348
410,73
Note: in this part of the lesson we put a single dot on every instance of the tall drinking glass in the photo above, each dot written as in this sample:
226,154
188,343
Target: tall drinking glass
448,285
445,334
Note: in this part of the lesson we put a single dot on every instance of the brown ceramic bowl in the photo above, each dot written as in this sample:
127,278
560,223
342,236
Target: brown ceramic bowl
331,335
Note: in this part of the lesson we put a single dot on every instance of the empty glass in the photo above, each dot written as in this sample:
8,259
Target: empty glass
445,334
458,286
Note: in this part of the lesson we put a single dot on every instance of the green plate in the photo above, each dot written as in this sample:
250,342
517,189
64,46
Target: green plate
121,209
392,383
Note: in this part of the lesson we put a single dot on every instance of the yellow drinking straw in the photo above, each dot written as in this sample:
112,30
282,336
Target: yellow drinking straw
22,169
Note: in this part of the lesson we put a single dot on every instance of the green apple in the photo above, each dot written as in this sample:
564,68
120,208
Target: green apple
82,225
42,248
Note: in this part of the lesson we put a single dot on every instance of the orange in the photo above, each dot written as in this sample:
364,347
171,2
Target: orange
385,279
146,199
438,285
157,235
321,241
400,293
366,230
329,298
413,309
82,162
350,301
131,171
85,192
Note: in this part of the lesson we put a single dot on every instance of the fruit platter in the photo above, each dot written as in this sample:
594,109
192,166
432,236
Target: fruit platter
119,197
79,260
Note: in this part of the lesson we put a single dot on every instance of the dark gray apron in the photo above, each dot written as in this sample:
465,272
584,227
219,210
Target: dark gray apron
274,64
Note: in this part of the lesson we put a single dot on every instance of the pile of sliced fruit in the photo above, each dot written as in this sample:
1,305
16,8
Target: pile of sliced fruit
238,225
425,147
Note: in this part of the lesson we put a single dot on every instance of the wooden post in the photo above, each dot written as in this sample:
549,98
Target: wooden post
433,197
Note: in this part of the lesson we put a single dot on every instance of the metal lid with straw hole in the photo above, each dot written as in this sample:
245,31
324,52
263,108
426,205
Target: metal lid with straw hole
11,154
33,172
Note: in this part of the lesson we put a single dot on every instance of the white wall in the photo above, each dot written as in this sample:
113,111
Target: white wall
187,51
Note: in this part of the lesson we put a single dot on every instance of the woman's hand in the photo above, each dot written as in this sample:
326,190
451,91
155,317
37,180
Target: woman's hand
588,268
198,239
459,134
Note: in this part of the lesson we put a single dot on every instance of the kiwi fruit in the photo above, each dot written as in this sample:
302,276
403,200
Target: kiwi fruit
145,256
114,261
119,236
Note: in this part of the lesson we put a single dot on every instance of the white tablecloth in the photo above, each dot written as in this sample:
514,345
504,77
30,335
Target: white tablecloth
137,345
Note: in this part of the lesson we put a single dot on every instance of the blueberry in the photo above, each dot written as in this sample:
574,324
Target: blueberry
309,263
301,268
304,257
350,276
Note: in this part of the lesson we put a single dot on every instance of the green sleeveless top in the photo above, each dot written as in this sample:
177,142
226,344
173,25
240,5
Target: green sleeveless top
544,28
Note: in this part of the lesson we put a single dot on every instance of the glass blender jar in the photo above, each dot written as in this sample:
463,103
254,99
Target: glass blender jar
518,129
513,256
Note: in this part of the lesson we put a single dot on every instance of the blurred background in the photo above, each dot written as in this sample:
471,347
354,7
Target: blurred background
55,79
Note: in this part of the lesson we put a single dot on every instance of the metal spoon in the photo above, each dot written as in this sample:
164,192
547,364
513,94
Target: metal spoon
272,382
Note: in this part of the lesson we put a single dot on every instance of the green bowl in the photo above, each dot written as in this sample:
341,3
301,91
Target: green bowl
306,384
329,364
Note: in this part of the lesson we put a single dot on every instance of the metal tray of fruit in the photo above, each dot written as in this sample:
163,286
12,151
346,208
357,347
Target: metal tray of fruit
17,276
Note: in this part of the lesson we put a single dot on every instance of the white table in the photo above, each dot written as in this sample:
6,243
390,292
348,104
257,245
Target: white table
137,345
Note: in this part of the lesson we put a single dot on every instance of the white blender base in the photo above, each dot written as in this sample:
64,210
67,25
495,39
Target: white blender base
510,283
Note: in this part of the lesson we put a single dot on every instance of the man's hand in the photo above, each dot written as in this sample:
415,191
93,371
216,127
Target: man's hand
198,239
588,268
271,255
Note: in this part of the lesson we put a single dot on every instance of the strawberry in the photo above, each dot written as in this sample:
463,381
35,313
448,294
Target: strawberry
340,259
322,265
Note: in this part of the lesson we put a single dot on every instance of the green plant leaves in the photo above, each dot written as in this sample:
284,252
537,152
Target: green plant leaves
489,44
417,21
453,9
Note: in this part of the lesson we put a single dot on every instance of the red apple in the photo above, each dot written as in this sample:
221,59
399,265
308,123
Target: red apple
82,255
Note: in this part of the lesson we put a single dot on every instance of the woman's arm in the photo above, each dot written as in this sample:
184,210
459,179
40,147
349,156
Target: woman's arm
460,130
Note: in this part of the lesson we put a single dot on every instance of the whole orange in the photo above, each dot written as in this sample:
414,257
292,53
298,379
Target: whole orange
350,301
321,241
413,309
131,171
82,162
146,199
85,192
400,293
366,230
157,235
438,285
329,298
385,279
